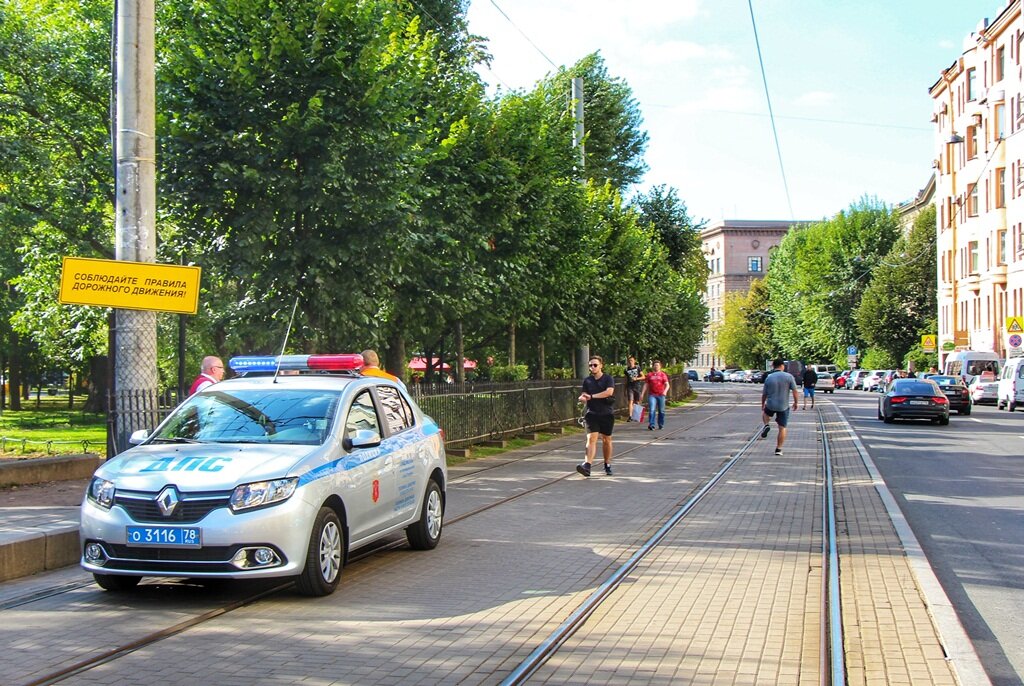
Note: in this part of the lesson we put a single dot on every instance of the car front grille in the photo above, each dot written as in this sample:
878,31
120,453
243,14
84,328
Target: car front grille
192,507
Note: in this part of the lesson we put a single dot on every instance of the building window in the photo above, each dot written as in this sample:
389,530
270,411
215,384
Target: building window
754,264
970,84
1001,187
1000,64
972,142
998,126
1001,246
972,252
972,200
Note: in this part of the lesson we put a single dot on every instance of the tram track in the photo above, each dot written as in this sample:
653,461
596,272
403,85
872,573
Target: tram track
114,653
832,663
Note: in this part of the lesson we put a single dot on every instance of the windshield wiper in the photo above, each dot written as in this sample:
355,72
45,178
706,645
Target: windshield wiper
175,439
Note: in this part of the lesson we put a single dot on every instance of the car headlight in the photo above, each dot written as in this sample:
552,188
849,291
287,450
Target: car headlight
101,492
262,493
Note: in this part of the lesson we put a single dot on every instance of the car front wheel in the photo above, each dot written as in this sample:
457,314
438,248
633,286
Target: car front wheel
426,532
324,556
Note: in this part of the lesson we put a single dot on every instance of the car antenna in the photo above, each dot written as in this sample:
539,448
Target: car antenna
284,345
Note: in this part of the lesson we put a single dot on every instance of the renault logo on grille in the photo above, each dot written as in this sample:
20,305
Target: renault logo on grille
168,501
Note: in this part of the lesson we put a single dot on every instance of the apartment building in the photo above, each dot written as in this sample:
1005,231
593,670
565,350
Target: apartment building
737,252
978,111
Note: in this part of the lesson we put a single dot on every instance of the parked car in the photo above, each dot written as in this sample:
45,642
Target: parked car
268,476
1011,385
969,363
692,375
984,388
728,374
714,375
758,376
855,381
914,399
956,392
841,377
872,380
825,383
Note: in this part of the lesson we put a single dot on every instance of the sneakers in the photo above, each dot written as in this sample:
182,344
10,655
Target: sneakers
583,468
650,427
778,451
608,469
765,430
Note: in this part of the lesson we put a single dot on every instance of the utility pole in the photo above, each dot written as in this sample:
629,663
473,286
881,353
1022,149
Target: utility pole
583,351
135,377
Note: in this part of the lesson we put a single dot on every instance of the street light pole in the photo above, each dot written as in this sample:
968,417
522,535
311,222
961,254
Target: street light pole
135,377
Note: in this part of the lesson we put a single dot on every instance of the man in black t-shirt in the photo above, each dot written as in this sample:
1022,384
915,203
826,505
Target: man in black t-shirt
634,385
810,381
599,395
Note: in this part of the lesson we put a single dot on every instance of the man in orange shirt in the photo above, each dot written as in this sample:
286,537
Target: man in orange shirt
371,367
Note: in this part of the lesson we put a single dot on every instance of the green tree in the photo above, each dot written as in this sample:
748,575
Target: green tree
900,303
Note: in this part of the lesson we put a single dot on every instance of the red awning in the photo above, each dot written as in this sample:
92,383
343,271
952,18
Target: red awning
419,364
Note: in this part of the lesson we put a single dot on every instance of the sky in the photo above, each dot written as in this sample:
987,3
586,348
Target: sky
847,81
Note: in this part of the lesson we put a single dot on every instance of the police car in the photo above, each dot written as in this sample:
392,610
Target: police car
277,473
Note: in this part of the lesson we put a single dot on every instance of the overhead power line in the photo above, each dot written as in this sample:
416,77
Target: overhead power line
771,114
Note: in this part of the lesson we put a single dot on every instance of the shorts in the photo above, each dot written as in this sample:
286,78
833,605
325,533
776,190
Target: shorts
809,391
781,416
634,392
600,423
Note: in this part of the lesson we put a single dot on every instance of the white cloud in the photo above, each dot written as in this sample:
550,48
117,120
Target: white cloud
816,99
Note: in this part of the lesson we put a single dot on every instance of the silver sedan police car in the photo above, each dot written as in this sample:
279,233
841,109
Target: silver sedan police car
268,475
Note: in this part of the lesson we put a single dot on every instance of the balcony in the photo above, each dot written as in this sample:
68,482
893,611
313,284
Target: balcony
971,282
997,275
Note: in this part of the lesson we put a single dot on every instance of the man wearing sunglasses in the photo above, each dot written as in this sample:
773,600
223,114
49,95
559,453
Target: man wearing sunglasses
598,393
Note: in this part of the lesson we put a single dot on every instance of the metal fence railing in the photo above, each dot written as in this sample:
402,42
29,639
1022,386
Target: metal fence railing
468,413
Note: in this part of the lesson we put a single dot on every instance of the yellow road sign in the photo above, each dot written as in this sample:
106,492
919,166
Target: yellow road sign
129,285
928,343
1015,325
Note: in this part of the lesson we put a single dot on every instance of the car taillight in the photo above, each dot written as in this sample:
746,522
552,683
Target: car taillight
898,399
941,401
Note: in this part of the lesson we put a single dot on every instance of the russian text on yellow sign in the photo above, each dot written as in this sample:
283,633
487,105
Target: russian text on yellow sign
1015,325
129,285
928,342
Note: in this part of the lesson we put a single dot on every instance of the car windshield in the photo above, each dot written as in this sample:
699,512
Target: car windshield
945,380
912,387
277,415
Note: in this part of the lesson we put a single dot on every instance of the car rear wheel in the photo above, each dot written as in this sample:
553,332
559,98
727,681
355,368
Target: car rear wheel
116,582
888,420
425,533
944,421
966,410
1011,406
324,556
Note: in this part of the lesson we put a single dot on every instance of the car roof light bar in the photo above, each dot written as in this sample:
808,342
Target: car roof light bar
342,362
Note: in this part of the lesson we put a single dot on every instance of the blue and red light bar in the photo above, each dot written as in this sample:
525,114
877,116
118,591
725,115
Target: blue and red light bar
344,362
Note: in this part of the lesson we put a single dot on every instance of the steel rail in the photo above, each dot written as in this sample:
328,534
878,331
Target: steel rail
543,652
833,664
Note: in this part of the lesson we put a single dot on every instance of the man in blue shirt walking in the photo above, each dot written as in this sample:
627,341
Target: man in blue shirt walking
774,401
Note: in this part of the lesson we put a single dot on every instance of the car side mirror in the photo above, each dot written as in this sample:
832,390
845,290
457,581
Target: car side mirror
138,437
364,438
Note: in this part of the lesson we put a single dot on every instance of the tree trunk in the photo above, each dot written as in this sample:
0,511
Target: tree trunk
15,380
540,360
460,354
96,398
511,343
394,356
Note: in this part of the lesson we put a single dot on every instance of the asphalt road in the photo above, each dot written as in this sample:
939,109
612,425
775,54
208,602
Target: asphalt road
961,488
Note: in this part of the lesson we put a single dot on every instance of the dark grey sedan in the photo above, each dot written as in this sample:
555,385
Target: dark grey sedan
914,399
955,391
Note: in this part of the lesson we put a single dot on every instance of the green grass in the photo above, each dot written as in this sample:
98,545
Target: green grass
50,429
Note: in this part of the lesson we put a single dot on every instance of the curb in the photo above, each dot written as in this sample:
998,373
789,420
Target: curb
38,552
43,469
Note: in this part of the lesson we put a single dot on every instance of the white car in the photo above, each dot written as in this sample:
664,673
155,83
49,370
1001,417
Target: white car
1011,385
984,388
268,475
825,383
856,379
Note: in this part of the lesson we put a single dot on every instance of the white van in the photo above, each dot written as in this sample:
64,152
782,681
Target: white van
1011,385
968,364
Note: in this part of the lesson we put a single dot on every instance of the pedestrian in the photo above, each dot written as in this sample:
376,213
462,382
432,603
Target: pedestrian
657,385
371,367
774,396
634,385
810,380
211,371
599,395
